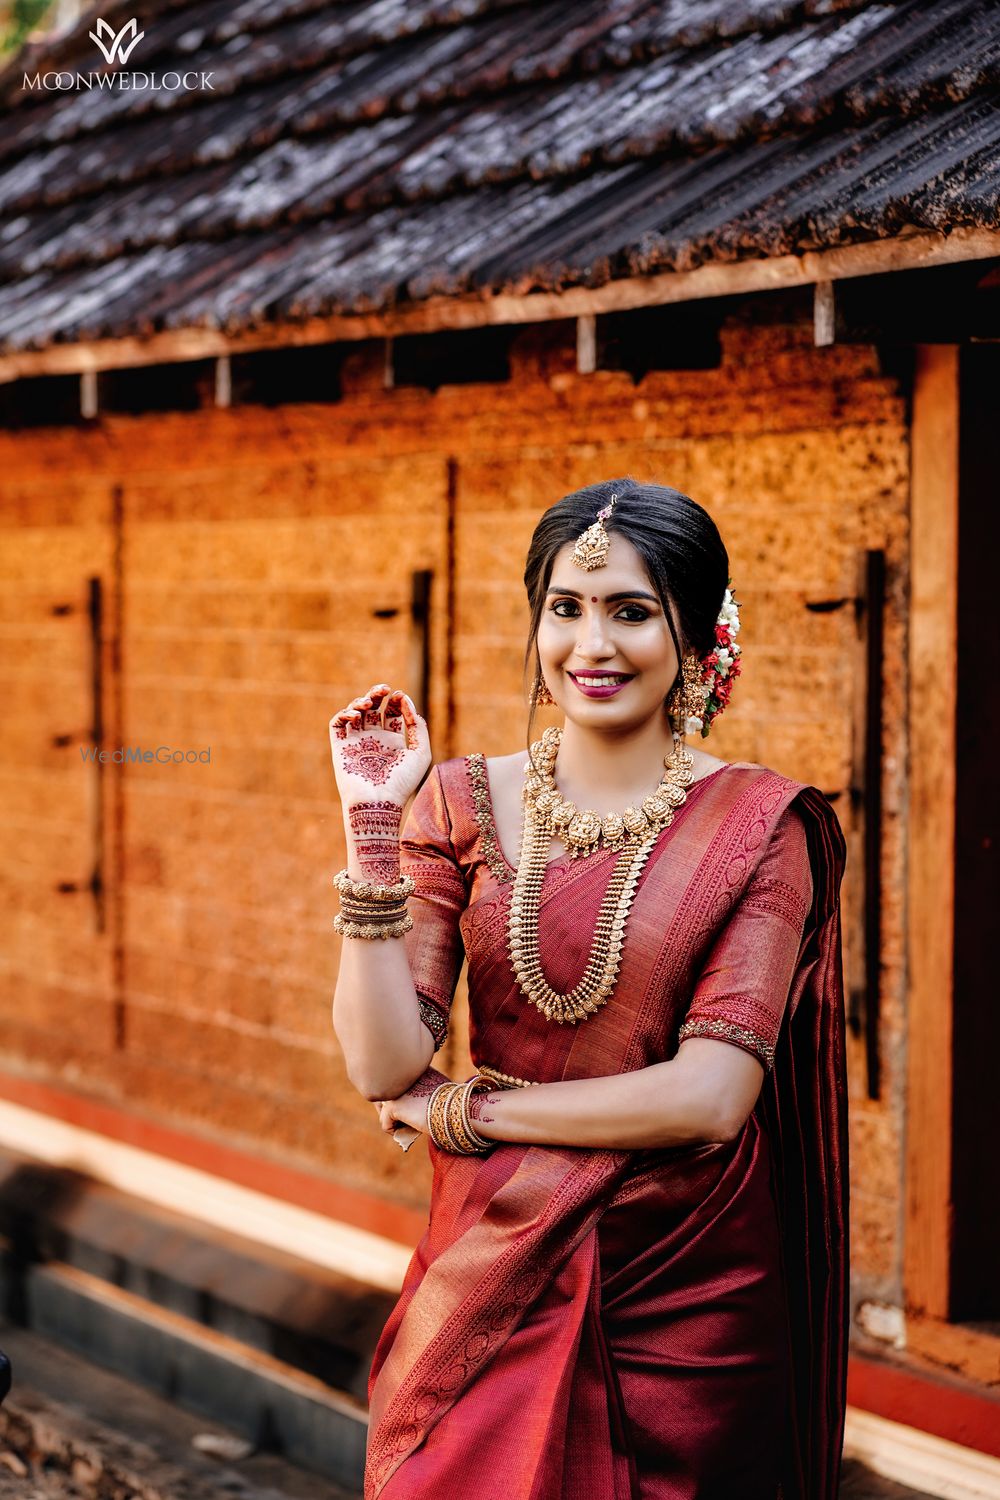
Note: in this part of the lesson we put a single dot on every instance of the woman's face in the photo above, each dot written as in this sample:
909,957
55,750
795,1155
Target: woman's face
604,642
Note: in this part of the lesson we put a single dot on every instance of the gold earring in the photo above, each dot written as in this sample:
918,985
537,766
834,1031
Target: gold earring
540,695
687,698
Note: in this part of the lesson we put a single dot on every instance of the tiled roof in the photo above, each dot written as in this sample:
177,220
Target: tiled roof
364,153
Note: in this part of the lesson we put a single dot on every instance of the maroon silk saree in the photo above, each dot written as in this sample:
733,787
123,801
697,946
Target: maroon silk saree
657,1324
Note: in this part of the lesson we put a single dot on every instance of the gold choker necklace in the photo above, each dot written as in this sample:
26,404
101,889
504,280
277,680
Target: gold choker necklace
584,832
548,815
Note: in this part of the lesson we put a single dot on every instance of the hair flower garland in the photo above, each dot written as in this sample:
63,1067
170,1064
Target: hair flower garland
721,666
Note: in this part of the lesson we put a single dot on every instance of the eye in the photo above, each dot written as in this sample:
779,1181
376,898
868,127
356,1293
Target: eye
636,615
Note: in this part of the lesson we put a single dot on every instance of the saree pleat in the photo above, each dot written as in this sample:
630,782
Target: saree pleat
633,1325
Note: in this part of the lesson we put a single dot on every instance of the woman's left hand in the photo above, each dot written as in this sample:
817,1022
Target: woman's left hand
410,1108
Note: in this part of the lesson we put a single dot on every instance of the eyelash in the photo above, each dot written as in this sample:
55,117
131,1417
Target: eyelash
644,614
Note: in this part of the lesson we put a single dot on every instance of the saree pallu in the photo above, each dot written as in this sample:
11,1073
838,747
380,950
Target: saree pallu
654,1324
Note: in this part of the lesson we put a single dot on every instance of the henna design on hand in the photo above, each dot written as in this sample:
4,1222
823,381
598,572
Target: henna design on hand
375,832
371,760
427,1082
478,1107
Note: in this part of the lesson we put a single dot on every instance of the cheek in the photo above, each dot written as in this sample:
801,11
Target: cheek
653,652
551,641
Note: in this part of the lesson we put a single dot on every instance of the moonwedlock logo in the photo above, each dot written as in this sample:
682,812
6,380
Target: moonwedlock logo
117,48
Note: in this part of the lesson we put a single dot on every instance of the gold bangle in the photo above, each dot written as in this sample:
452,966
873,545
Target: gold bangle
372,931
435,1114
453,1119
480,1143
369,890
362,911
448,1122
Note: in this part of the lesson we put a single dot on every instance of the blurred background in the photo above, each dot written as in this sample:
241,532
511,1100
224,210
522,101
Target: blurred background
303,321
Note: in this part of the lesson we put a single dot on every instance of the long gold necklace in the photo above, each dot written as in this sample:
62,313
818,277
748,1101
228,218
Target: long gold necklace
548,815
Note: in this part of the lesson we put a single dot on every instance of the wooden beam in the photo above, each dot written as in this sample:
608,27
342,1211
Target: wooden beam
931,821
586,344
903,252
824,314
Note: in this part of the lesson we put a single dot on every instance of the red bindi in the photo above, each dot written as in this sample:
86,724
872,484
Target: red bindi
593,598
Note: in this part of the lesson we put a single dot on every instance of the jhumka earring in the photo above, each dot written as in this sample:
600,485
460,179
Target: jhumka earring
687,700
540,695
591,550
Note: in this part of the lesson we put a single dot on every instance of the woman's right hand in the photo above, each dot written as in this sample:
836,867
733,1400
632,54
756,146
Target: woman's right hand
380,746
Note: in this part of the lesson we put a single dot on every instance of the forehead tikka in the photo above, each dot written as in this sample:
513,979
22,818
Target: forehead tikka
591,550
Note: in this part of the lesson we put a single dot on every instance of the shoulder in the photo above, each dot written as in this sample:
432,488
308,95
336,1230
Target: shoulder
801,827
761,804
449,803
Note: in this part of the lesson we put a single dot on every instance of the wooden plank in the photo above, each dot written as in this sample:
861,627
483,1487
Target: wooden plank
968,1351
904,252
933,645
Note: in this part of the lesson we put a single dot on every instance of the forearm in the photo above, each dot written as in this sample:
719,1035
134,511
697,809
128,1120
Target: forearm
375,1007
376,1018
665,1104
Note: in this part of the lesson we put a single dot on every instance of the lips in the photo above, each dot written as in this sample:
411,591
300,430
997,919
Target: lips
597,684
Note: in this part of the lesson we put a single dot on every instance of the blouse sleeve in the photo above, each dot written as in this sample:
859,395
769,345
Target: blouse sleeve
434,945
743,987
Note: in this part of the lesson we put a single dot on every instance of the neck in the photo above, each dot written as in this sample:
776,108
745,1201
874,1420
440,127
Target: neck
606,770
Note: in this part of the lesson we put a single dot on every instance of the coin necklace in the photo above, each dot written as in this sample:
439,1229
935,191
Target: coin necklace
548,815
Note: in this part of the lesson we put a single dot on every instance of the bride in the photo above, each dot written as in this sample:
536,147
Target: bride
633,1279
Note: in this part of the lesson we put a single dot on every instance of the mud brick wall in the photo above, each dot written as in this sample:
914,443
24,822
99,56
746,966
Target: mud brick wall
257,567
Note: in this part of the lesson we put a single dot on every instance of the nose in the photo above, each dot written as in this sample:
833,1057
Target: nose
593,640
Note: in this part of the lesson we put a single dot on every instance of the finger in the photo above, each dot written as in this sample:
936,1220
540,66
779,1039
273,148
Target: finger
387,709
416,728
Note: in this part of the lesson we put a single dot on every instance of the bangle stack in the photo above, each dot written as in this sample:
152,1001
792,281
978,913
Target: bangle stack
448,1122
372,911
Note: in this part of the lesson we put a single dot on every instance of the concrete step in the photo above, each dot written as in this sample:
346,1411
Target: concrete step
273,1347
71,1428
315,1319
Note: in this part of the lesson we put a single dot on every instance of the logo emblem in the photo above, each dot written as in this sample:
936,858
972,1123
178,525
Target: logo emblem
116,49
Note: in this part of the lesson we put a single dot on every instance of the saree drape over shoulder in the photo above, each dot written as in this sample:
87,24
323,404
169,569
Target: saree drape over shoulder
668,1324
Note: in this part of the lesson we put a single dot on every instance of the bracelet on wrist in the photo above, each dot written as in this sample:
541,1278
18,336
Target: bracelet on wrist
448,1122
372,929
369,890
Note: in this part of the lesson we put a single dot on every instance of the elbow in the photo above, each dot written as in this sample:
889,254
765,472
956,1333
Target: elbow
376,1089
726,1128
375,1095
368,1087
724,1122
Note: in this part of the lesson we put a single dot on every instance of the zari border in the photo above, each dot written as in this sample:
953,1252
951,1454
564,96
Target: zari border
729,1031
478,780
435,1022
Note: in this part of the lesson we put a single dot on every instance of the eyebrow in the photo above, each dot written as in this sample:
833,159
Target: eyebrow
610,598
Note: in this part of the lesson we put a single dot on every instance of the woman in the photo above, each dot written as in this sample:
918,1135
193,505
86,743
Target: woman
633,1281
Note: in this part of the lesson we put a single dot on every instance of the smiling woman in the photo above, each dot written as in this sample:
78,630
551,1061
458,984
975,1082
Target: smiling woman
635,1262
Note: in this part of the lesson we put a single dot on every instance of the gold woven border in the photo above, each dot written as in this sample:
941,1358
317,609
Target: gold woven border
729,1031
492,853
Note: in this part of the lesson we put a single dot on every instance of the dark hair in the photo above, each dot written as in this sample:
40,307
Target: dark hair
676,538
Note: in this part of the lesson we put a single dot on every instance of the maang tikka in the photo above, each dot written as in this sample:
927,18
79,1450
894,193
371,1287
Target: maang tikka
592,545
